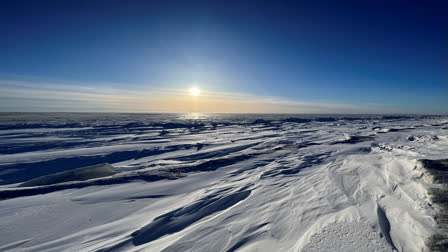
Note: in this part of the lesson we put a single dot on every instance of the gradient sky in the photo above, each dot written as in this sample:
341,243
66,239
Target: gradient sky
305,57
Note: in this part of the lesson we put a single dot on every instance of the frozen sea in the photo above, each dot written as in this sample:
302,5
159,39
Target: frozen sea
222,182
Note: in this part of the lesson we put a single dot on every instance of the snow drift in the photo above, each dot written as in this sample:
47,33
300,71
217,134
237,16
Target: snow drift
81,182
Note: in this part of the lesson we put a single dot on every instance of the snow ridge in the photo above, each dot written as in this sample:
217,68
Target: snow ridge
130,182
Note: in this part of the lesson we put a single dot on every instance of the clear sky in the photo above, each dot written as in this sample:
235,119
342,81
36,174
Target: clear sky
144,56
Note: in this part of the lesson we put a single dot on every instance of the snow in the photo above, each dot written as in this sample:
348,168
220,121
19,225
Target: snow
346,237
218,182
80,174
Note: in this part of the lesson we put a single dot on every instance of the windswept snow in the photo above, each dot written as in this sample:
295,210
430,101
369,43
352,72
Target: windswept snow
222,182
80,174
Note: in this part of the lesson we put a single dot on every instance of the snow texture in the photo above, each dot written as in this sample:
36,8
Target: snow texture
199,182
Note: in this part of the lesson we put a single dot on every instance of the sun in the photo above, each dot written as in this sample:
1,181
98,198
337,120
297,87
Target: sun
195,91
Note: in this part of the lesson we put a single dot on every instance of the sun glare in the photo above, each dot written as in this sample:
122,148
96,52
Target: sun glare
195,91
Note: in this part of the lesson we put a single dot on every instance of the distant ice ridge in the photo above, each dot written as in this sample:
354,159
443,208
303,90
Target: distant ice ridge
222,182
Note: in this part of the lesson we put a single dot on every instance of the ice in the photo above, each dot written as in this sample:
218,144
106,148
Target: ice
132,182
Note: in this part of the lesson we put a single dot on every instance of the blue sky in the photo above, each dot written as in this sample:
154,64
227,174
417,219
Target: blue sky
350,57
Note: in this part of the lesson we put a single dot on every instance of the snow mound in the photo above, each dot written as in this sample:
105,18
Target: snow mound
80,174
